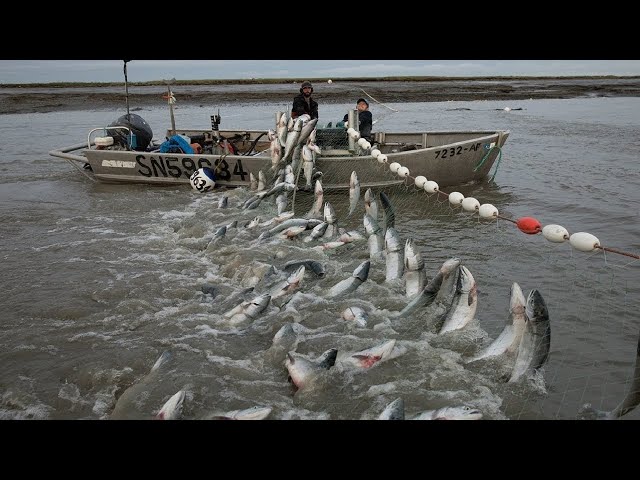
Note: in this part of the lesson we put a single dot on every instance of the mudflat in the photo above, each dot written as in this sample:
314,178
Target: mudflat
41,99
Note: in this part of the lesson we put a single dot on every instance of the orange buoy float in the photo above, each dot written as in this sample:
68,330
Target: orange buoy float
529,225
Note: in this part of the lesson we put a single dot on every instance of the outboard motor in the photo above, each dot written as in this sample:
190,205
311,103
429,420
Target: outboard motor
140,129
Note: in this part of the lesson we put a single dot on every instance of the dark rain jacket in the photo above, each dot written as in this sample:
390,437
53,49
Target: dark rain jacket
365,121
300,106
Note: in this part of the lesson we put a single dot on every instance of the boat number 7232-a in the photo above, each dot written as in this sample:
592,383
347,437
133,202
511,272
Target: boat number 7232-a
452,151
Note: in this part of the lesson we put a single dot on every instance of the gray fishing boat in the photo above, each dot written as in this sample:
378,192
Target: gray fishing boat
124,152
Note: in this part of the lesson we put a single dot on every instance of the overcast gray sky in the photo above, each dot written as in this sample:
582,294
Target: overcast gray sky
45,71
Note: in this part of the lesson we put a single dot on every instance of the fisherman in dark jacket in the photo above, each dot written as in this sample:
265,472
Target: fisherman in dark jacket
303,103
365,118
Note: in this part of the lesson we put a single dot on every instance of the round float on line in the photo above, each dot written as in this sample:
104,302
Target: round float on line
431,187
350,131
403,172
529,225
203,180
420,181
583,241
362,141
487,210
375,152
555,233
394,167
456,198
382,158
470,204
366,145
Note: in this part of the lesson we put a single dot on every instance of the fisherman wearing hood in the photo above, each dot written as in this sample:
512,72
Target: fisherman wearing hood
365,118
303,103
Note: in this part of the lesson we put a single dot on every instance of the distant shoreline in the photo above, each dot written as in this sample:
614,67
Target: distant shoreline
43,98
271,81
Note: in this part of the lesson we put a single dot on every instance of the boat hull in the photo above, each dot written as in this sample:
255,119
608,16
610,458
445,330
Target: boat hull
448,158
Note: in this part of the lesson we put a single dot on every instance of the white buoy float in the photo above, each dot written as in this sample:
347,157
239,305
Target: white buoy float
456,198
555,233
470,204
431,187
375,152
403,172
394,167
583,241
487,210
420,181
382,158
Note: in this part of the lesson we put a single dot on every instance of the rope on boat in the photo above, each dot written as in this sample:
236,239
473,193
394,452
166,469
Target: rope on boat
475,169
386,106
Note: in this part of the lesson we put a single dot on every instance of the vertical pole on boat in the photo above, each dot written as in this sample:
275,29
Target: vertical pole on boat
173,119
126,86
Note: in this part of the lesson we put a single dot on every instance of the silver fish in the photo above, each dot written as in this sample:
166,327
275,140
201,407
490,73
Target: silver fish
316,209
172,409
464,304
307,168
388,212
292,141
252,413
223,202
331,219
302,370
311,265
292,232
276,154
125,406
289,285
317,232
370,204
429,294
393,411
282,130
360,275
253,182
511,335
354,192
375,240
450,413
415,277
357,315
262,182
296,161
289,175
350,236
533,351
306,131
369,357
394,255
282,202
220,233
247,310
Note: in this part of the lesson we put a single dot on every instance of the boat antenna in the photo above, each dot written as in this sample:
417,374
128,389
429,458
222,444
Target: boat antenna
126,86
171,100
